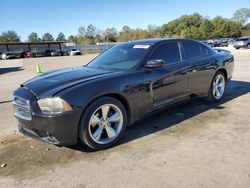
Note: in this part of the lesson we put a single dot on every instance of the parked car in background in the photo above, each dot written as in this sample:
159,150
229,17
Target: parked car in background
63,52
38,53
231,41
243,42
224,42
94,103
51,53
213,42
74,52
55,53
26,54
8,55
216,43
210,42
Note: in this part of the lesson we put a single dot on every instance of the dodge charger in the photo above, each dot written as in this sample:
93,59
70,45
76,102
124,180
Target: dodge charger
92,104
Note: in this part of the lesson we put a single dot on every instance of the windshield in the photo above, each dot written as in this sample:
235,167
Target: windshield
120,57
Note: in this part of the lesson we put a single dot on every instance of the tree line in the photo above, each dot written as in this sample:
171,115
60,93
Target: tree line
193,26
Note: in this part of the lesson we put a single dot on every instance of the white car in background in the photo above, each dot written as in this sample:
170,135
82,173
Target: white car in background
8,55
74,52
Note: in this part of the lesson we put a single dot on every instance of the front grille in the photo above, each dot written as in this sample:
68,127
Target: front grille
21,108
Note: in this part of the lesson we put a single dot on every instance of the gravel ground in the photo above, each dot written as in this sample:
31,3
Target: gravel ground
195,144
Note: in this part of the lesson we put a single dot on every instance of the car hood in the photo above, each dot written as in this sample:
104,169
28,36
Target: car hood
52,82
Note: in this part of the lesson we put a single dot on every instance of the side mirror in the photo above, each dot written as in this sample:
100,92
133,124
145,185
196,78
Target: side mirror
154,63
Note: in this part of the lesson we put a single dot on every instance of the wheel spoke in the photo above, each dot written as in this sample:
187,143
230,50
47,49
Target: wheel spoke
115,117
105,111
110,131
217,92
98,133
94,120
221,89
221,85
214,88
217,80
214,91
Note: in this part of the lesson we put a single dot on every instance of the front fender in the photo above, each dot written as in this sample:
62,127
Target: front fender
128,86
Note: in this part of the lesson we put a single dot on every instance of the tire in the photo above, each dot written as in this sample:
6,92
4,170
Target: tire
217,87
96,128
237,48
248,46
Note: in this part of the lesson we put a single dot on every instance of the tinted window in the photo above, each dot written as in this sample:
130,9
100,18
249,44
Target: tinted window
204,50
167,52
207,50
192,50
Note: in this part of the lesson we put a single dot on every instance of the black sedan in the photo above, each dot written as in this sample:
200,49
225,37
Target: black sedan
93,104
47,53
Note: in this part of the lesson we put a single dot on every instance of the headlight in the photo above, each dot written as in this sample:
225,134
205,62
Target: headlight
53,105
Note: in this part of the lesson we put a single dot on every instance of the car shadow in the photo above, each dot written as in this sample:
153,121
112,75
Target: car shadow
10,69
171,116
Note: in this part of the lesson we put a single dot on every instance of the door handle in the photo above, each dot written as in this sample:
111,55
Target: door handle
194,70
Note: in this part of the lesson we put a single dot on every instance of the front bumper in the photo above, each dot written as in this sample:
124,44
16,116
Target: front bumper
60,129
28,132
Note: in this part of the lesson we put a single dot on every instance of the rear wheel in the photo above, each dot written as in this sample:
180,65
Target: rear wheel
248,46
217,87
103,123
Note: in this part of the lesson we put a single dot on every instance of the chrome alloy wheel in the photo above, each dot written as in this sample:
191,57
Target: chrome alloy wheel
105,124
218,86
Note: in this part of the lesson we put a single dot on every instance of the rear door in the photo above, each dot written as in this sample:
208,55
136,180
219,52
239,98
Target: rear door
169,83
200,61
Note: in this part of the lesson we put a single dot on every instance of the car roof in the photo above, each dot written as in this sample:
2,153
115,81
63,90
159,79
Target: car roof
158,40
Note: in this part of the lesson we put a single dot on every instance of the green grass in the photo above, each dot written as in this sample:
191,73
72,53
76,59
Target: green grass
245,32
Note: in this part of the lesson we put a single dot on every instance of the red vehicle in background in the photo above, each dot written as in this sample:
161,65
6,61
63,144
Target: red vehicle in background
26,54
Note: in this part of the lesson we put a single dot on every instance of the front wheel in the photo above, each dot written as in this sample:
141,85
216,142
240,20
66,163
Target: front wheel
217,87
103,123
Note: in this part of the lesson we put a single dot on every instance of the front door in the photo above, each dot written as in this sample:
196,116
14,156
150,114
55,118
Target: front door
169,83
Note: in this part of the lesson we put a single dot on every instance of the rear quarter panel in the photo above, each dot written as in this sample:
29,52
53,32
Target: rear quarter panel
225,61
